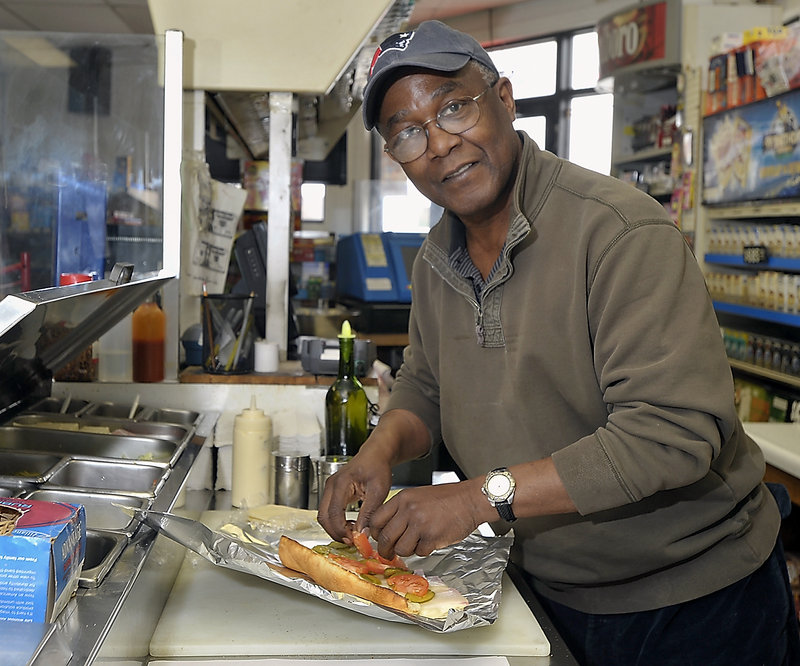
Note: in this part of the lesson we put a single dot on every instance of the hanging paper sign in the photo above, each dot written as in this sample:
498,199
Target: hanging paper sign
639,36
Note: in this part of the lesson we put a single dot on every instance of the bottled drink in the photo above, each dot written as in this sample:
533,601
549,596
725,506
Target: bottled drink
148,329
345,403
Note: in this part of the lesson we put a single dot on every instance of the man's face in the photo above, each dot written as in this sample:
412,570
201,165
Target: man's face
472,173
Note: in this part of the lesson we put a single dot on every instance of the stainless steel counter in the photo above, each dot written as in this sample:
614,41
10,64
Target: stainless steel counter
77,634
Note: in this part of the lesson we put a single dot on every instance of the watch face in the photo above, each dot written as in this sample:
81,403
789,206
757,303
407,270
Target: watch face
498,485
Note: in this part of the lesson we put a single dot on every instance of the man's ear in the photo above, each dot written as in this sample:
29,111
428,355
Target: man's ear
506,94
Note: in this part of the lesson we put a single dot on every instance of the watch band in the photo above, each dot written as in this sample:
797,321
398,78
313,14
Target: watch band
505,511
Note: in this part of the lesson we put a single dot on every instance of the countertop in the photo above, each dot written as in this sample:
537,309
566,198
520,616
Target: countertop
215,612
195,591
289,373
780,443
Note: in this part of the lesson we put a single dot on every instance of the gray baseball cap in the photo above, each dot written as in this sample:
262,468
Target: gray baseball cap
433,45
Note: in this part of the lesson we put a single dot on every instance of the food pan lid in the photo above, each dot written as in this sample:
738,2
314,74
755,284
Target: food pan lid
43,330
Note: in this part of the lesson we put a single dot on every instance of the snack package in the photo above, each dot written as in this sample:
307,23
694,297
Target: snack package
42,548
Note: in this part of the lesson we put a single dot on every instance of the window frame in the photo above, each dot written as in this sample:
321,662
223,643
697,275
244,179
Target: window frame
555,107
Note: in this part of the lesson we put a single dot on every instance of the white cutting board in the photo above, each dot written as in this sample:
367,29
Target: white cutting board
214,612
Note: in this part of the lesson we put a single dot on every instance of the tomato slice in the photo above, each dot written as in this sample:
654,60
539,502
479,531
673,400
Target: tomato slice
356,566
409,584
374,566
395,562
361,541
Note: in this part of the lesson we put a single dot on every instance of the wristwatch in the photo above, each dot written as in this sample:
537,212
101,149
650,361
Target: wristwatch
499,489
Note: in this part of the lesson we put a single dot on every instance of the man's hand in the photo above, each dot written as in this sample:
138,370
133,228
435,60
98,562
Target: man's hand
367,477
420,520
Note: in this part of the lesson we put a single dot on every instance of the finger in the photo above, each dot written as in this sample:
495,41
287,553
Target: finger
369,504
331,511
387,526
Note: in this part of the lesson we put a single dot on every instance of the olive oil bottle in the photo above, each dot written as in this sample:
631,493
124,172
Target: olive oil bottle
345,403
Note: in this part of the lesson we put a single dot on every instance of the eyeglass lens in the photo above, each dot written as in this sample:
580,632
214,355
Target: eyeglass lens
455,117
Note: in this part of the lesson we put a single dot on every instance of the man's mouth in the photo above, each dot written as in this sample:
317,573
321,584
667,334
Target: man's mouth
459,171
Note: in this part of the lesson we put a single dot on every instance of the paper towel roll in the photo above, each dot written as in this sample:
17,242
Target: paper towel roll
266,359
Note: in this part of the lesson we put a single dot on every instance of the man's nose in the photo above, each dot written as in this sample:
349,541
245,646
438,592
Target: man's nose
440,142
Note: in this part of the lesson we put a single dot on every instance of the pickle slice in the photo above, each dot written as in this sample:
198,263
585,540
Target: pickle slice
420,599
393,571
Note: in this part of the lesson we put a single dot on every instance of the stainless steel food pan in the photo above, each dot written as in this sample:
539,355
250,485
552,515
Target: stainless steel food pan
23,468
166,415
70,443
125,478
116,410
102,551
10,491
173,432
55,405
104,511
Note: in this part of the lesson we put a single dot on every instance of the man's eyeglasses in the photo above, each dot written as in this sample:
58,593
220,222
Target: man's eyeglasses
455,117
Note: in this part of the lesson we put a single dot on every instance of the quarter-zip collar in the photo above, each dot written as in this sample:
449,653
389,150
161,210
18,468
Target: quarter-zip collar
449,234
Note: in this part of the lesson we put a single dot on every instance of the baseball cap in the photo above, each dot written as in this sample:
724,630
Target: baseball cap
433,45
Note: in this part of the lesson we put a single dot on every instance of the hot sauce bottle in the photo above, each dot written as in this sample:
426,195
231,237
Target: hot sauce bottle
148,330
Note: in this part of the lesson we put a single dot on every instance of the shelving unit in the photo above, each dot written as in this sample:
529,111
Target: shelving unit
758,323
642,142
786,318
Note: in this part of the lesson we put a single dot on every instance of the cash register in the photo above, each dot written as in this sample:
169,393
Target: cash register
373,274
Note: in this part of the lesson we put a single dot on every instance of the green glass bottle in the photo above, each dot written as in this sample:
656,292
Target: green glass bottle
345,403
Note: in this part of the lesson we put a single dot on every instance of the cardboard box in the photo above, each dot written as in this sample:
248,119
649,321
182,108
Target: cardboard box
42,548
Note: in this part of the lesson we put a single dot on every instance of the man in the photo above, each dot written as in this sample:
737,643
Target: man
563,347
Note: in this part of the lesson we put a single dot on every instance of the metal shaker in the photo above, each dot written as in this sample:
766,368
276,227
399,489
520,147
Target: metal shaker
325,467
292,472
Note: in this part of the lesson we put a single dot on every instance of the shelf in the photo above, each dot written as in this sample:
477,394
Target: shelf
773,316
646,155
773,263
785,208
766,373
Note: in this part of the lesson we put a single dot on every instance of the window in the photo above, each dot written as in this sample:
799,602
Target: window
554,83
557,105
312,202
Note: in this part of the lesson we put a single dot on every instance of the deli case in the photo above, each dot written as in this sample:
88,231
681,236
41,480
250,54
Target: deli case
109,457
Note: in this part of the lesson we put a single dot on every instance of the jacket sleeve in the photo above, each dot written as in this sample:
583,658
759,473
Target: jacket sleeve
661,366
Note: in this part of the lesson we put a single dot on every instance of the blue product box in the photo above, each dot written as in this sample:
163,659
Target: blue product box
42,548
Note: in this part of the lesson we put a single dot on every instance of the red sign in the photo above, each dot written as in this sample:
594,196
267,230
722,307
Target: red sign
634,36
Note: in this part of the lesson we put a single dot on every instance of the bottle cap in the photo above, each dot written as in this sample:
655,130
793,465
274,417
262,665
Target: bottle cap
346,331
252,412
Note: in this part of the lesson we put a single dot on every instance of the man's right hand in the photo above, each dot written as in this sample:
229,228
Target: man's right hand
367,477
399,436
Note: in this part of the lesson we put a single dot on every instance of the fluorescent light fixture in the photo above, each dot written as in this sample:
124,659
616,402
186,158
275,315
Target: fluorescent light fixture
40,51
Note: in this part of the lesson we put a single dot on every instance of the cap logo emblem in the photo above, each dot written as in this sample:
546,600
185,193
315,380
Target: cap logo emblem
398,42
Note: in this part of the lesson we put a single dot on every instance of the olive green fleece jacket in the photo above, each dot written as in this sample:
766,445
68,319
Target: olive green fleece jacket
594,342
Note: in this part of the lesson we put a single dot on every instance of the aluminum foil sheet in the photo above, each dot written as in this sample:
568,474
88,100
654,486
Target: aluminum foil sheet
474,566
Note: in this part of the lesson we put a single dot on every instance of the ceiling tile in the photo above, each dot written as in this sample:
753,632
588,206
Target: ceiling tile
69,17
137,18
9,21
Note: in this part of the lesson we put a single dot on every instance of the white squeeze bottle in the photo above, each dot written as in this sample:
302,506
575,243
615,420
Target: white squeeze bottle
252,437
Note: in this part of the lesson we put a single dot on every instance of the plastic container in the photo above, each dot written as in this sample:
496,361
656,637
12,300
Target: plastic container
148,330
252,438
228,333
